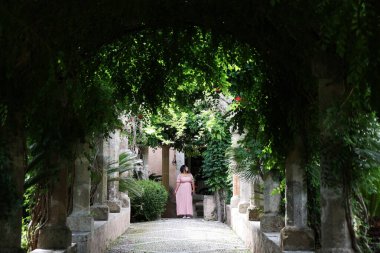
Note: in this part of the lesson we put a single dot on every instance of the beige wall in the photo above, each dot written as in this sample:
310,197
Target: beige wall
155,164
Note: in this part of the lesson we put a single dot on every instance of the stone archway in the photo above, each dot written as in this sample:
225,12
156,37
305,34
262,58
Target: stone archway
85,30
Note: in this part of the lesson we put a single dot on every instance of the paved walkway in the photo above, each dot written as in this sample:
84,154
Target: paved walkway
178,235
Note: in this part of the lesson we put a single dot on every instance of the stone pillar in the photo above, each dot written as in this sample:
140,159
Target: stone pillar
55,234
335,235
13,144
80,219
244,196
180,160
209,208
235,199
296,235
254,211
165,166
113,146
145,158
237,187
271,221
100,210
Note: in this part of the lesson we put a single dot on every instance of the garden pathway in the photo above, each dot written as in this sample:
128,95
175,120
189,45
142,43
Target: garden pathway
178,235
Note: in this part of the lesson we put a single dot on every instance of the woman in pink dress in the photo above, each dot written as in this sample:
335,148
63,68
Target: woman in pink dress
184,190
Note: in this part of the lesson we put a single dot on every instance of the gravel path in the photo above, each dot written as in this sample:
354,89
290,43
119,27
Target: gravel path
178,235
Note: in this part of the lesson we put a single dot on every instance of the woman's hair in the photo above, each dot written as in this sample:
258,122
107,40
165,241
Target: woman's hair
183,168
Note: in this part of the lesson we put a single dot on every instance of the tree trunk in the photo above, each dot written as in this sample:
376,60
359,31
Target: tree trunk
12,172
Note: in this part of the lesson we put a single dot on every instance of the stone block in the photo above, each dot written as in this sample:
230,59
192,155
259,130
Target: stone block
100,212
83,241
297,239
125,200
234,201
252,236
114,205
242,207
80,223
54,237
209,208
271,223
254,213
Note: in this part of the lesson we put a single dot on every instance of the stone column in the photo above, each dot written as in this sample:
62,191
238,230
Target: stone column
244,196
271,221
13,144
80,219
165,166
254,211
100,210
180,160
335,235
145,158
114,202
235,199
296,235
55,234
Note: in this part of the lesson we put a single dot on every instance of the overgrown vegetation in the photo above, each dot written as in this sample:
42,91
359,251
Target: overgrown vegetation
66,82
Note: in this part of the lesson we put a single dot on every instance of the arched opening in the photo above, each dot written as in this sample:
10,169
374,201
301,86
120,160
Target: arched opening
44,56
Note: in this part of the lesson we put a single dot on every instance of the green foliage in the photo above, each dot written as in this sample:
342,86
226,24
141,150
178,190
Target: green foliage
215,162
254,158
151,203
156,67
128,166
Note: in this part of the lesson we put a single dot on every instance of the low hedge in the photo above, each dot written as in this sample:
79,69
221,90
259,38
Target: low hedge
151,203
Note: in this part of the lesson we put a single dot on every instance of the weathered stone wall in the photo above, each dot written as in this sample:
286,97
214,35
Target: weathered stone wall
107,231
250,233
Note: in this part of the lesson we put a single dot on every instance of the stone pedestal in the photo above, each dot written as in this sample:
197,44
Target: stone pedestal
100,212
209,208
114,206
334,222
243,207
55,234
234,201
125,200
254,211
297,239
271,221
296,235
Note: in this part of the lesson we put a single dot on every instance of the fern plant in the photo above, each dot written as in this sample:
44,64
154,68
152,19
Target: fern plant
128,166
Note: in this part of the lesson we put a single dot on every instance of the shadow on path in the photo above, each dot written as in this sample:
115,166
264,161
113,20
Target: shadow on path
178,235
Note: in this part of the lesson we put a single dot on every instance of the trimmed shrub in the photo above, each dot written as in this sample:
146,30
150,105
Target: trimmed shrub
151,203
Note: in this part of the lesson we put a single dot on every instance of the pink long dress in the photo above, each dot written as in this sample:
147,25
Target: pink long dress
184,198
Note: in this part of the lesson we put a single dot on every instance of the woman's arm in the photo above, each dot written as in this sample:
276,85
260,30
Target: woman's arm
177,185
193,184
